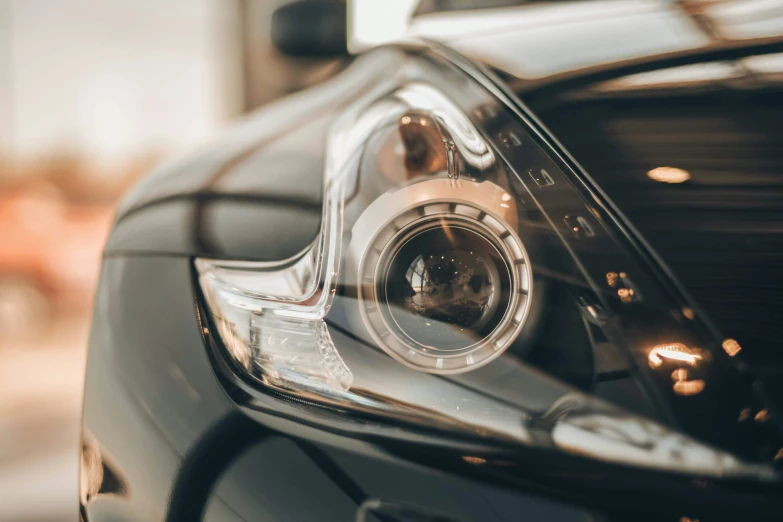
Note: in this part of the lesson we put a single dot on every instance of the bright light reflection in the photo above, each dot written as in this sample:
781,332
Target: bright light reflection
375,22
731,347
689,387
672,352
669,175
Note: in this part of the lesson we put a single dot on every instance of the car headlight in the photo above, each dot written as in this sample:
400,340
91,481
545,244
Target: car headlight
468,278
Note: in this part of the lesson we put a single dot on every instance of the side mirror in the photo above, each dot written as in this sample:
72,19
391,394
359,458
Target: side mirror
311,29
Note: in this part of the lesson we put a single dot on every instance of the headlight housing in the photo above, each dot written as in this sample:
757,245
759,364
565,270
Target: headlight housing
469,277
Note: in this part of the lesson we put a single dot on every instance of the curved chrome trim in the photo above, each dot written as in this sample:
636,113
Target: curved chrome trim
484,207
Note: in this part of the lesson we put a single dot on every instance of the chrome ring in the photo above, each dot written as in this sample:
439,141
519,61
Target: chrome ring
483,208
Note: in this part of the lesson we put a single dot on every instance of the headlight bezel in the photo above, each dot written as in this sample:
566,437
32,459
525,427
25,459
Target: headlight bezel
578,201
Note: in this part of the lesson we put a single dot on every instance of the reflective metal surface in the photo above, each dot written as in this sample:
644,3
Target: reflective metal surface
389,228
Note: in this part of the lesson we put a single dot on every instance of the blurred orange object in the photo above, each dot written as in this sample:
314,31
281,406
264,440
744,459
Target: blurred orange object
49,256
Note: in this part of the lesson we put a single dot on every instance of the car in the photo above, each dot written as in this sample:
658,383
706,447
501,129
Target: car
521,263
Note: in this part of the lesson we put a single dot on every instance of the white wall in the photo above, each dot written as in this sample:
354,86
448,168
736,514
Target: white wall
110,80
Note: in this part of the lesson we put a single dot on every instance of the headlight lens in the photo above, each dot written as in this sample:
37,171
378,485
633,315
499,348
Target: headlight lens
443,280
459,256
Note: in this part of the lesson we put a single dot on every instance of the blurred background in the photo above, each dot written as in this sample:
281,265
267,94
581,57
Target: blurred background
93,94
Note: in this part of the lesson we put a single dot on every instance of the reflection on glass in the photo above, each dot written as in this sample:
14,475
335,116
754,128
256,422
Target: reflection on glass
683,76
689,387
672,352
731,347
669,175
762,416
460,288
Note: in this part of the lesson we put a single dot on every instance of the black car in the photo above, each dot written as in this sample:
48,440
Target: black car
523,264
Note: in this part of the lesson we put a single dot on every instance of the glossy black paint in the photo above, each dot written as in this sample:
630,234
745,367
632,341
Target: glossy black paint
233,199
165,423
192,441
186,450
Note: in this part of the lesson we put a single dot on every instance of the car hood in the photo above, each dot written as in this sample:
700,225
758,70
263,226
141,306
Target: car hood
537,40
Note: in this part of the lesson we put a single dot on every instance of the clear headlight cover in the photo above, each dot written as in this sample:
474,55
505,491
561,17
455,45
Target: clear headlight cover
467,279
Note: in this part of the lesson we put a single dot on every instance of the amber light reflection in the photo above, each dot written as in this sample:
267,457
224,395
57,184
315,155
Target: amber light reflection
672,352
731,347
669,175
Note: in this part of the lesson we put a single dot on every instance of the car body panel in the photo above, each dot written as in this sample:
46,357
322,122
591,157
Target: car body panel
267,169
165,426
